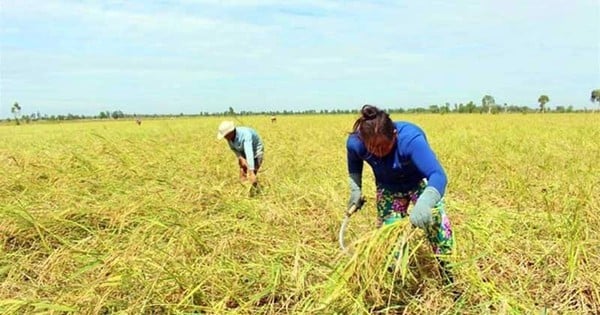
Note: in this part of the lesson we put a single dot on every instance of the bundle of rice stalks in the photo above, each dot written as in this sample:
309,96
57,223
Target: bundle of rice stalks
380,274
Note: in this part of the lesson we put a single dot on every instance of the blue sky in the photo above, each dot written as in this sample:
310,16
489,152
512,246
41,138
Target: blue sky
83,57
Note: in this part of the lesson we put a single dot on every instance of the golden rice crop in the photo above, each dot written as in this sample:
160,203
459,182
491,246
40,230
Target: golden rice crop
112,217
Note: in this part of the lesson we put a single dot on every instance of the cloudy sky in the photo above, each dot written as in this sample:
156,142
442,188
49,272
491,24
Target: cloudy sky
167,56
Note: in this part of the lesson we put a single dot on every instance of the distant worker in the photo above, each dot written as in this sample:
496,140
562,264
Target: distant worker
406,171
273,119
247,146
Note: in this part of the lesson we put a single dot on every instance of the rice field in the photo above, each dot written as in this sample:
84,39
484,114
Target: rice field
108,217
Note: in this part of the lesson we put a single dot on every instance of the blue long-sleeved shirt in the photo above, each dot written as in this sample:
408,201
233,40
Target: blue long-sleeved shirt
401,170
247,143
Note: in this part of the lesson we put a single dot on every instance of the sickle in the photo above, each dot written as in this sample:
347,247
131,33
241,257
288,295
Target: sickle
348,214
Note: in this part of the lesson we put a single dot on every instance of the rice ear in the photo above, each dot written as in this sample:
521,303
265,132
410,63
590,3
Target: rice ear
365,273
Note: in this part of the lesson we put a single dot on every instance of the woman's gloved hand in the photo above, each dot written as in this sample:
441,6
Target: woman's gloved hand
420,215
355,181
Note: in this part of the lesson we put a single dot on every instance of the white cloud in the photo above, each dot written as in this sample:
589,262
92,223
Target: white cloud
349,47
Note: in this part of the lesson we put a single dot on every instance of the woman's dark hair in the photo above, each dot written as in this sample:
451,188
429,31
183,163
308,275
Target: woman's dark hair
373,121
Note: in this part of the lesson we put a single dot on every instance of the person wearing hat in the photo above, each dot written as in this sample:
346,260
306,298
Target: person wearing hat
247,146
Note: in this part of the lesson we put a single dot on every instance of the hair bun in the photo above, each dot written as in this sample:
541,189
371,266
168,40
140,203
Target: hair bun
369,112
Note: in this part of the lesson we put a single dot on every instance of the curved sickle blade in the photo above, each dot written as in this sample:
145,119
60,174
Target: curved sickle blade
342,232
344,226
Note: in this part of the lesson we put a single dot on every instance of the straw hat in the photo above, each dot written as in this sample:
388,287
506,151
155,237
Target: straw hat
225,128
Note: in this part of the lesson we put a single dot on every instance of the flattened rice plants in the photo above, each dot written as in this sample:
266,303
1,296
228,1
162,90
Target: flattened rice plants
115,217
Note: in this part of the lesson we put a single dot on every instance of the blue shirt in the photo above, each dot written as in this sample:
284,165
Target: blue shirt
247,143
410,161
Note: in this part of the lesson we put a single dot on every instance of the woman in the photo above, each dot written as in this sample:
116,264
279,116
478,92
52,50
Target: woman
406,171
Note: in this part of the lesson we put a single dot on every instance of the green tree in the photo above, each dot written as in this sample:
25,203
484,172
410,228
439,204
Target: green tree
16,111
446,108
595,97
434,108
470,107
543,99
117,114
489,102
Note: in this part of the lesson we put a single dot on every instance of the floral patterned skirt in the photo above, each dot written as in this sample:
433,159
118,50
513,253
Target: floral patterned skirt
393,206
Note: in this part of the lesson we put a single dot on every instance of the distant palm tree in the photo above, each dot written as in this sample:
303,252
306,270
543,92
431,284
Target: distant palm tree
16,111
595,97
488,101
543,99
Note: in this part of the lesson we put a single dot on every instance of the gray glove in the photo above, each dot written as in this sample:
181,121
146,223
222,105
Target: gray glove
355,181
421,213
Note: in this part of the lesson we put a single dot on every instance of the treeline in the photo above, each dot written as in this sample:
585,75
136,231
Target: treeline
488,105
468,108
